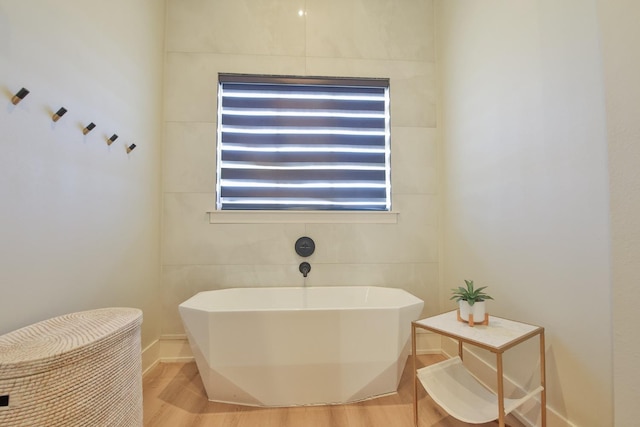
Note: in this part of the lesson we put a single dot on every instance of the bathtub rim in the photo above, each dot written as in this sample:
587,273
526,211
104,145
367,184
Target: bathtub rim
406,299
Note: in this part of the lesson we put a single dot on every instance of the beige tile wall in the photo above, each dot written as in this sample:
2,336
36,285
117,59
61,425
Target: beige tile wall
372,38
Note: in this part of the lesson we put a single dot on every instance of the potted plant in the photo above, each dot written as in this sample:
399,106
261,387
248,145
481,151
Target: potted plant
471,306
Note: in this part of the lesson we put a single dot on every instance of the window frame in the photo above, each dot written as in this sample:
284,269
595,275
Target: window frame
383,83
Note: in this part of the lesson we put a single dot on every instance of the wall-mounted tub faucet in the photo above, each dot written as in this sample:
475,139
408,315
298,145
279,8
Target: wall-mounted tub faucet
304,268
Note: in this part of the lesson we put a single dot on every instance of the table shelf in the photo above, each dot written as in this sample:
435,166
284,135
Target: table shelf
459,393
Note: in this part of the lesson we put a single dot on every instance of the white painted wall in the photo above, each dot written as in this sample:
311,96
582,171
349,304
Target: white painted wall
621,59
80,223
373,38
525,184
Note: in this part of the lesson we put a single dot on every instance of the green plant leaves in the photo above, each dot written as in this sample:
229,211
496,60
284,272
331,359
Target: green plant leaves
469,294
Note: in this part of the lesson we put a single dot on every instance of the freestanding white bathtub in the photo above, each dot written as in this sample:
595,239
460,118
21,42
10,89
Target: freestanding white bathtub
300,346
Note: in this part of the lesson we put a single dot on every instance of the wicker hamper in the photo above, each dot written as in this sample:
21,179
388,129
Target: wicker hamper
80,369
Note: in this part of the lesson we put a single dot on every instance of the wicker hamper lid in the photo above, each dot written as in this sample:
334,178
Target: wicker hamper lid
61,340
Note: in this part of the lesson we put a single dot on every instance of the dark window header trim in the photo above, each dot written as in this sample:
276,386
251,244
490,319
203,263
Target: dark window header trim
310,80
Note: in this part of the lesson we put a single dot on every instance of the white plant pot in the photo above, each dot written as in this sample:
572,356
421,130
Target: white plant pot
478,309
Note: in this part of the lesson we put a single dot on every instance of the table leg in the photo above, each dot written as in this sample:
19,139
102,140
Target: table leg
415,375
543,382
501,415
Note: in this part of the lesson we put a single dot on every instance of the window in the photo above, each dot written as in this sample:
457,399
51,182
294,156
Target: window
301,143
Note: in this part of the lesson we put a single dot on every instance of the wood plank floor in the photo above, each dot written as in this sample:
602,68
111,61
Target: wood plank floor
174,397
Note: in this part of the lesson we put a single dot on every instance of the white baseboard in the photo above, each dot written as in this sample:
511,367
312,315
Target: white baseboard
168,349
150,356
427,342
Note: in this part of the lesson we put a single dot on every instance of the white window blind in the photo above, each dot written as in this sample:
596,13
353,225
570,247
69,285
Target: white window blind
303,143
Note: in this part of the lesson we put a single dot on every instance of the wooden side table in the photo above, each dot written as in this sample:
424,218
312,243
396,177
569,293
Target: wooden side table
452,387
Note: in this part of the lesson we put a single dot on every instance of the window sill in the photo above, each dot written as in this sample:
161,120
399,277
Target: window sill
296,217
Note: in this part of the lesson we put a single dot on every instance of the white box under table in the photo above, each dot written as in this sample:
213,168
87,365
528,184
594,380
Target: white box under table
454,388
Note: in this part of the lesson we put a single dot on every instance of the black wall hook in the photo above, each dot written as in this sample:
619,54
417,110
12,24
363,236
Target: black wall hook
113,138
19,96
88,128
61,112
130,148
